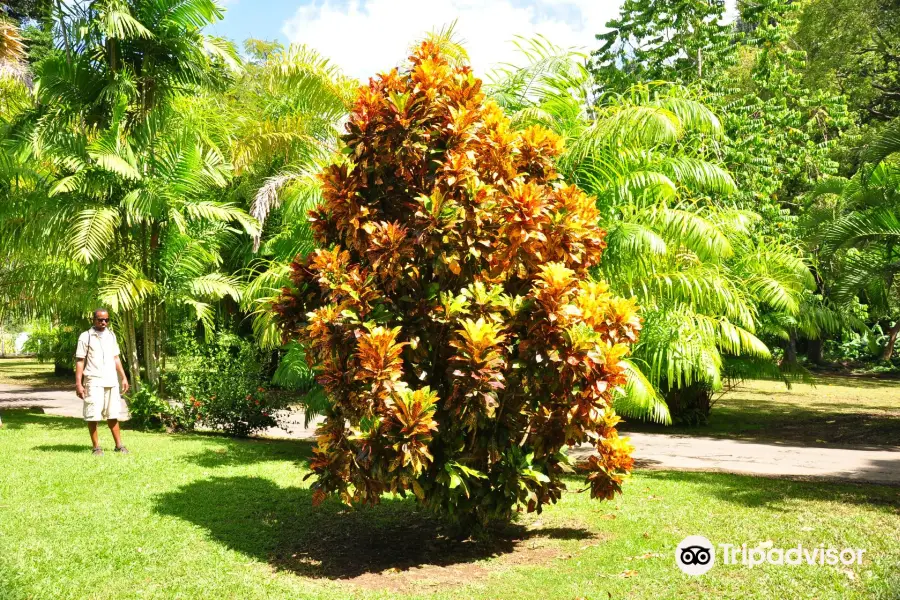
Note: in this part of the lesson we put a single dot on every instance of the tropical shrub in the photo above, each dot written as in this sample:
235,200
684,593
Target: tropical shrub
53,343
855,229
223,384
148,411
449,311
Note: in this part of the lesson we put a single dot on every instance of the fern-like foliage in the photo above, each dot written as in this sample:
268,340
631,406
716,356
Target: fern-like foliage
677,239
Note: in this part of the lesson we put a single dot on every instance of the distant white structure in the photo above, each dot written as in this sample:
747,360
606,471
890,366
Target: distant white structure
20,341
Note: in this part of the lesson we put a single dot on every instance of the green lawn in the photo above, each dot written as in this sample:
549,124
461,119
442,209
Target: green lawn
835,412
30,372
191,516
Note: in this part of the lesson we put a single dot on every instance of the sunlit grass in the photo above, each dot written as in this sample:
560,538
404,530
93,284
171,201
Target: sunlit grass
192,516
836,411
29,372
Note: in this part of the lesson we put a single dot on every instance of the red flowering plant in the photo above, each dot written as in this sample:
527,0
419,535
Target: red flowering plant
450,313
222,385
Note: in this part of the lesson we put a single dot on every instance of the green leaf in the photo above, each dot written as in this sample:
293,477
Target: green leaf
92,233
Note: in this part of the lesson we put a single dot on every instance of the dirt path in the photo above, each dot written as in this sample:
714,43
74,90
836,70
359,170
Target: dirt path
694,453
652,450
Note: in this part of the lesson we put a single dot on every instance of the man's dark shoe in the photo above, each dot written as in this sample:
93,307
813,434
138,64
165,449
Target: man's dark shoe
122,450
97,451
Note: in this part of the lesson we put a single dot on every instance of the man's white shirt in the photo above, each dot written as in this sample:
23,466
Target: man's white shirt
98,351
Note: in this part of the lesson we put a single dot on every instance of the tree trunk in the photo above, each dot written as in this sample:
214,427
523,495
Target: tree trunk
814,351
134,367
892,339
65,35
690,405
790,352
161,346
149,347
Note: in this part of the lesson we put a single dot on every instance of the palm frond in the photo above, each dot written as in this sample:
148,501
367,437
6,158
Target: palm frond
124,288
639,399
223,50
858,227
887,143
699,175
691,230
117,21
223,213
93,232
694,116
216,286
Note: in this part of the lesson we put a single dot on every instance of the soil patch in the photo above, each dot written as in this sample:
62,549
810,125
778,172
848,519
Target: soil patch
531,547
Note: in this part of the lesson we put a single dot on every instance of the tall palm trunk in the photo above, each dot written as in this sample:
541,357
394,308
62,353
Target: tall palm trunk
690,405
814,351
790,351
163,325
150,355
134,367
893,333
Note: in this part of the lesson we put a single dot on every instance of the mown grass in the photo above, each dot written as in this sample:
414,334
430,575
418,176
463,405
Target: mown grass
835,412
29,372
194,516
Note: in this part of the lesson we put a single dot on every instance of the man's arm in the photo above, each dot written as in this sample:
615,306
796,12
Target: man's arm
79,371
122,378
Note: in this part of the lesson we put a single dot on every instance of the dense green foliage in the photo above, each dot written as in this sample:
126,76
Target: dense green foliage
680,240
223,384
745,172
53,344
853,46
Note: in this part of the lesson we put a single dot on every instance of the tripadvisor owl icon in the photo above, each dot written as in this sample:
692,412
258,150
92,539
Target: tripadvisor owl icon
695,555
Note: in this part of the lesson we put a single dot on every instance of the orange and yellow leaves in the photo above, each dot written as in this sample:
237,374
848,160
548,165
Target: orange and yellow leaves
452,286
610,466
553,288
378,353
616,318
409,425
479,343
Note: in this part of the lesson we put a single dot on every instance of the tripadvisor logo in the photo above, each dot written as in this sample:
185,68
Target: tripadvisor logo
696,555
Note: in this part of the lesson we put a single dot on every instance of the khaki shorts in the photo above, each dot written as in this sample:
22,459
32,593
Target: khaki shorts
102,403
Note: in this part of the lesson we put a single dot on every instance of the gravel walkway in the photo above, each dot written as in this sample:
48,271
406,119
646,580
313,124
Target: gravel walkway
652,450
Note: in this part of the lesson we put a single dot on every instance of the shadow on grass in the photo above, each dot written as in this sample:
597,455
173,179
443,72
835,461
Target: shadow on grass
39,382
790,426
869,381
762,492
71,448
19,418
280,526
235,452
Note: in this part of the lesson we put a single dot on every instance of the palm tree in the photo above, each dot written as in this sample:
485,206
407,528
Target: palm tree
676,241
289,108
117,165
12,53
856,230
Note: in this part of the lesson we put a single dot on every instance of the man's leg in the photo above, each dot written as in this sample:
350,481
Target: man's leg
114,428
95,437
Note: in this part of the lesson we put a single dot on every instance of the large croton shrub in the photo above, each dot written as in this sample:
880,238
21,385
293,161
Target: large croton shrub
450,311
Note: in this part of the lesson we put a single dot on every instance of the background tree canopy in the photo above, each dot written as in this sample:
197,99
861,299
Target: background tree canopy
744,171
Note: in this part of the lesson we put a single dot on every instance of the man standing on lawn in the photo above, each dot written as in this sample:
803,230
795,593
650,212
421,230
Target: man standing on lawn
96,365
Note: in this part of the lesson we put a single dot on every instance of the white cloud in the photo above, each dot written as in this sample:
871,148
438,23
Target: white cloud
367,37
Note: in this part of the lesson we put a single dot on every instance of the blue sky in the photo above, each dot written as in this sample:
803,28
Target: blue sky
369,36
255,18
